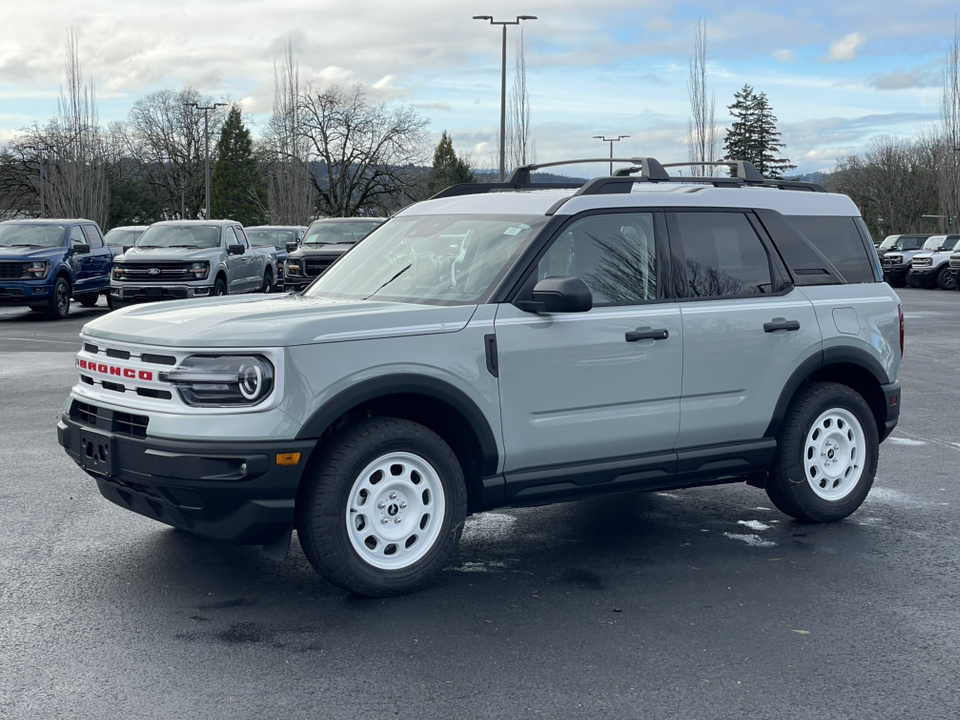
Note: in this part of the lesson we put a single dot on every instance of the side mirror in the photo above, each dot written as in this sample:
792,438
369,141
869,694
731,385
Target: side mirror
559,295
235,249
292,246
81,249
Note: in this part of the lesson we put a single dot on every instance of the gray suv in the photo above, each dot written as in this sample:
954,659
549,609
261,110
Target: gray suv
507,345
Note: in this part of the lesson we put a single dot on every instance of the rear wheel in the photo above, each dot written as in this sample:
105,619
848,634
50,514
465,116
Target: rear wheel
828,452
267,284
384,508
88,299
946,280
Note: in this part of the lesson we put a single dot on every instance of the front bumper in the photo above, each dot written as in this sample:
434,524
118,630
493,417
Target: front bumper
897,272
141,293
14,293
230,491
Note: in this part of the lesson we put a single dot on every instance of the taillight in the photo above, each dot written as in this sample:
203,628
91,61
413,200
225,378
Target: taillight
900,311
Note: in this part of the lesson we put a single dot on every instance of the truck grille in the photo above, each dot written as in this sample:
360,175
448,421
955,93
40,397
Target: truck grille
955,262
156,272
12,270
922,262
316,266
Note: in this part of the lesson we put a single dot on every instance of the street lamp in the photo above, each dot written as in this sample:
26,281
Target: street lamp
206,146
503,77
618,138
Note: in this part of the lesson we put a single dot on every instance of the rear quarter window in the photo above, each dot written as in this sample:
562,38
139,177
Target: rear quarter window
841,242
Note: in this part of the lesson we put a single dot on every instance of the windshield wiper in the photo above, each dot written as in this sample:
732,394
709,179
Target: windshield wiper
24,245
388,282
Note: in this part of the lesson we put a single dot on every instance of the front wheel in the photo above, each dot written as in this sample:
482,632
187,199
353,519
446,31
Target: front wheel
59,306
946,280
383,509
828,453
219,287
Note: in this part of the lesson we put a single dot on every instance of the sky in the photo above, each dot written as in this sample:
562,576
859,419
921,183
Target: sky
837,75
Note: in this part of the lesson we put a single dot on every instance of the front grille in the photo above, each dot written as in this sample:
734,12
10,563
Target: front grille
922,262
316,266
114,421
156,272
12,270
955,262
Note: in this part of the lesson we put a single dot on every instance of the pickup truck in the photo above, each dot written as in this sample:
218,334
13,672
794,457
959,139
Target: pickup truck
179,259
45,263
326,241
280,237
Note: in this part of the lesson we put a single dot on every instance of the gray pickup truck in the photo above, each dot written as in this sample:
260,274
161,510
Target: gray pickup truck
192,258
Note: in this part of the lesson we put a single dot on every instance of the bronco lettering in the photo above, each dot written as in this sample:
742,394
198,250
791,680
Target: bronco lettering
104,369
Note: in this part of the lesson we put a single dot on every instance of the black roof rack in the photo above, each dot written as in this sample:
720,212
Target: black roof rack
641,169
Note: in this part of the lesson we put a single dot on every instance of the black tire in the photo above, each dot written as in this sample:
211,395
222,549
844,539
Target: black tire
267,285
110,302
912,281
219,287
836,420
895,281
88,299
344,481
59,305
946,280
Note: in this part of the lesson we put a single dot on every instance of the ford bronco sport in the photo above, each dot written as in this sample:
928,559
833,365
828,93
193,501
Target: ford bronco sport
507,345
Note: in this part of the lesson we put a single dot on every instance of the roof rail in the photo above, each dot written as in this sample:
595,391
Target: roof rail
622,180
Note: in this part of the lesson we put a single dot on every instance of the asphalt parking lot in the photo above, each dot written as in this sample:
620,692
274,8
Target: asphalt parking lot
700,603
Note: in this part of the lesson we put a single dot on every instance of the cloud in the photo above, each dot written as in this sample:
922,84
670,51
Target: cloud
434,106
919,77
785,56
845,48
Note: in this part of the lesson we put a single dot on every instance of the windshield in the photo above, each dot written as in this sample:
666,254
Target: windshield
339,233
180,236
430,259
271,238
32,235
123,237
933,243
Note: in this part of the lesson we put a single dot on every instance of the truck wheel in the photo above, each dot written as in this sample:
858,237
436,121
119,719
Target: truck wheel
946,280
383,509
88,299
267,285
59,306
912,281
828,453
219,287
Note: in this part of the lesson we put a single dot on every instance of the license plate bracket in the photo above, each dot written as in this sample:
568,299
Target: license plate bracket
97,452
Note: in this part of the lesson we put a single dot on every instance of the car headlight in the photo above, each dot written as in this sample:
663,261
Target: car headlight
222,380
118,271
38,270
199,270
291,268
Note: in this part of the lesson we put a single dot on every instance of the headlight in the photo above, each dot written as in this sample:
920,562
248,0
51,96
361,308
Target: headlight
200,270
118,271
222,380
38,270
291,268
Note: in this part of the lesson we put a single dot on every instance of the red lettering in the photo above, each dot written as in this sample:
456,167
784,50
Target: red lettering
114,370
145,375
82,364
102,368
129,373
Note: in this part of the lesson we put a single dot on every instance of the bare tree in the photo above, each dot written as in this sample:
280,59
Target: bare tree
949,162
292,197
367,154
521,148
165,138
703,141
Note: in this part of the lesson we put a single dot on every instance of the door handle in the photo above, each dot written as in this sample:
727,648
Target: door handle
647,334
781,324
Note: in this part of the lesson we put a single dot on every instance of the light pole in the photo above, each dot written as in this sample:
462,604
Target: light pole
618,138
503,78
206,146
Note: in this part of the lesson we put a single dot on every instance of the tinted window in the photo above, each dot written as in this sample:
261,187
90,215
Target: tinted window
840,241
614,255
271,238
910,242
92,235
723,255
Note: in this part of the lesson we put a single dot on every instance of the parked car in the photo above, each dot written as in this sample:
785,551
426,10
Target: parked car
278,237
125,236
896,263
45,263
931,268
487,349
325,242
192,258
912,241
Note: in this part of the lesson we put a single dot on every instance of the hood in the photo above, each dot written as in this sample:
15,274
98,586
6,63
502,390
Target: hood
319,251
273,321
26,254
149,255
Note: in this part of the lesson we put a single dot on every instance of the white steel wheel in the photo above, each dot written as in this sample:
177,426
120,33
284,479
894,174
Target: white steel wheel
834,454
395,511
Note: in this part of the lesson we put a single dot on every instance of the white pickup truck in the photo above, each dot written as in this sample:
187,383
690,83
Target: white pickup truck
192,258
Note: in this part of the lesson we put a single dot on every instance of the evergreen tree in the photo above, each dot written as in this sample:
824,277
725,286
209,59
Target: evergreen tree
237,190
448,169
753,135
